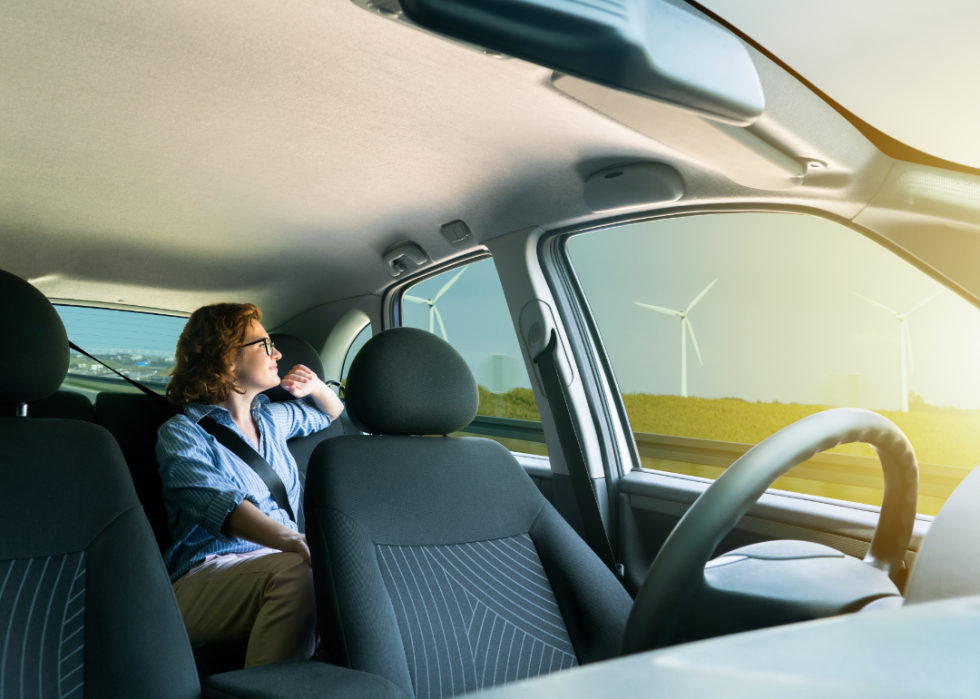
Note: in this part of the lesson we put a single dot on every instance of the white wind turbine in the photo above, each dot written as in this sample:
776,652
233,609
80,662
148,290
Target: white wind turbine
904,339
434,314
685,326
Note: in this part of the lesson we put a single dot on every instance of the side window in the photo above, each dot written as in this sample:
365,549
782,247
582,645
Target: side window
354,348
466,307
723,329
139,345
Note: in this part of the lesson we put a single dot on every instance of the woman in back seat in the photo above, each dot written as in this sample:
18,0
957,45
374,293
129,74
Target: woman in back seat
239,567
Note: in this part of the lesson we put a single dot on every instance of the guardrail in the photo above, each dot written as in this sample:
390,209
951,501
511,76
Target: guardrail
667,453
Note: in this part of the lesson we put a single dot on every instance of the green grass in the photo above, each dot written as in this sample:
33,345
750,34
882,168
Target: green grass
945,436
517,403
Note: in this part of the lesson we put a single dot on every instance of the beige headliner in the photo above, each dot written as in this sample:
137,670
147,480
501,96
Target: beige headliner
172,154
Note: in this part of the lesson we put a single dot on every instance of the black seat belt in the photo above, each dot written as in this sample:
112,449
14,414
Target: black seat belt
244,451
225,436
571,446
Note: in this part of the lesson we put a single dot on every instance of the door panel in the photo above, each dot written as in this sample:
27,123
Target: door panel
651,504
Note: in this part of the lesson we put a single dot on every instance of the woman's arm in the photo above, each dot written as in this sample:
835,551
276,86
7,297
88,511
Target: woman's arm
249,522
300,381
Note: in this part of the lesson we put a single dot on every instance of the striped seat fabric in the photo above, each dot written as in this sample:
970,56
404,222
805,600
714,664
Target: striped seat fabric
474,615
42,620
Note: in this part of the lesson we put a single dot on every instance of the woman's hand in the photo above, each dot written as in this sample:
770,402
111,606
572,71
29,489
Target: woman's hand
250,523
296,543
300,381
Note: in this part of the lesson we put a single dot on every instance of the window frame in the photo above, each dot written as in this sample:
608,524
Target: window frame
392,317
592,358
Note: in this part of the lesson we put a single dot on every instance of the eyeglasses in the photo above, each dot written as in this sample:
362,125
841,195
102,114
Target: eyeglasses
270,346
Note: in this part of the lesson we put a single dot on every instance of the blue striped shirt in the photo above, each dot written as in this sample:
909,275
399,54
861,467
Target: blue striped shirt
203,481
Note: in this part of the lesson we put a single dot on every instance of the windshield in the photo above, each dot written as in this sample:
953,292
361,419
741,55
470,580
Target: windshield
906,68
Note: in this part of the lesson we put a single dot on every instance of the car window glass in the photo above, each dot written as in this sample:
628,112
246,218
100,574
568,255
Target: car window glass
466,307
139,345
723,329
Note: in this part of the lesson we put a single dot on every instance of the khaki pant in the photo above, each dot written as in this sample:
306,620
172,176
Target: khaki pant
263,598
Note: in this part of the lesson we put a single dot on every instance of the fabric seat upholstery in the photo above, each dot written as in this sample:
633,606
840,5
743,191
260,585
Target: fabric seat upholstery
84,598
437,562
133,419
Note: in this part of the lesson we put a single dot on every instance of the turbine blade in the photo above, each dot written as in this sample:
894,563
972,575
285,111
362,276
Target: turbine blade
442,327
908,346
432,317
449,284
658,309
920,304
414,299
700,296
875,303
694,340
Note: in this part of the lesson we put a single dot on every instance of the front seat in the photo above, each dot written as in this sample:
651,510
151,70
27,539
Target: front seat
437,562
85,602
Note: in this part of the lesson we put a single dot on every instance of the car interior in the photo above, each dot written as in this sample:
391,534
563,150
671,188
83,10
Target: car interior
481,219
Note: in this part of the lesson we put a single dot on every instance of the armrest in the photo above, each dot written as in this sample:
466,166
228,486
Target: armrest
299,679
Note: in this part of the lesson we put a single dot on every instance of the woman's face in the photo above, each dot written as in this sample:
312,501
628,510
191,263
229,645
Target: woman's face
256,370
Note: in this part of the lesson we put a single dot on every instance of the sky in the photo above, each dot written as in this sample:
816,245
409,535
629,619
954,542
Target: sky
477,322
783,322
907,67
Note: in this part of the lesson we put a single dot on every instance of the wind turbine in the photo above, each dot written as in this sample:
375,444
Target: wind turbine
434,314
904,339
685,325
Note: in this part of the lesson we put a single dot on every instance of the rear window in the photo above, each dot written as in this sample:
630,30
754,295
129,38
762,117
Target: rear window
139,345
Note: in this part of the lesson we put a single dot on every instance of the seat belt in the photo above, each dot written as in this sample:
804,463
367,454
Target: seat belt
571,446
225,436
244,451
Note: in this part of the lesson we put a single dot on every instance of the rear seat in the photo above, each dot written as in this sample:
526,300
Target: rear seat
133,419
63,404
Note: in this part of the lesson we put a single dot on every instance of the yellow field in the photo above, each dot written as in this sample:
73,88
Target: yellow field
946,441
949,438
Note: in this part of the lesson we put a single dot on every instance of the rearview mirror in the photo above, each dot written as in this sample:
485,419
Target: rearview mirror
648,47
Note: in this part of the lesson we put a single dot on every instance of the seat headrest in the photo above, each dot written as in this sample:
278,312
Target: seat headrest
408,381
36,362
294,351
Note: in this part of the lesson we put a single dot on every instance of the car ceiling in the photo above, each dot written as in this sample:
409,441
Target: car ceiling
168,155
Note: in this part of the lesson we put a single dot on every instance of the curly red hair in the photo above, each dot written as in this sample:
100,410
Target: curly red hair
208,348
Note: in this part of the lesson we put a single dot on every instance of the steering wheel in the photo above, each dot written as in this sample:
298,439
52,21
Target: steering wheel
677,573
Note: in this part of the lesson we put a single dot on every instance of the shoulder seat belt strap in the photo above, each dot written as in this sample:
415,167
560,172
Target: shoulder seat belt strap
571,447
225,436
244,451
